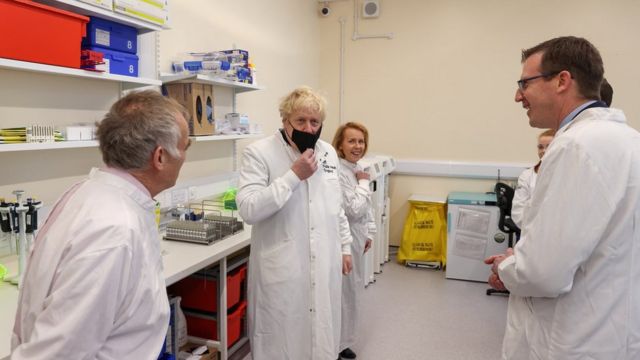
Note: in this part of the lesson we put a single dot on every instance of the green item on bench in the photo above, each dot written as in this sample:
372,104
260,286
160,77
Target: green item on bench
229,199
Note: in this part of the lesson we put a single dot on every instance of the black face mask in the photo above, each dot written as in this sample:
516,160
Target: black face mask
305,140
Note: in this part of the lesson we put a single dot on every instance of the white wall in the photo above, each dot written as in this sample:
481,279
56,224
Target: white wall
443,88
281,36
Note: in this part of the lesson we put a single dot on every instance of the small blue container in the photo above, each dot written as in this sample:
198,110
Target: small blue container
111,35
120,63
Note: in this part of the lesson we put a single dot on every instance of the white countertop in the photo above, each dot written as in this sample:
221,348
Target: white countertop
180,260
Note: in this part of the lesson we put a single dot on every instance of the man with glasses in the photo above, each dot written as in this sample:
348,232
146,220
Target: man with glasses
577,263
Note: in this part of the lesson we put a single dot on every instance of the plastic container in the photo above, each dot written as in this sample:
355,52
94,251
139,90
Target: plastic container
206,326
38,33
111,35
120,63
200,290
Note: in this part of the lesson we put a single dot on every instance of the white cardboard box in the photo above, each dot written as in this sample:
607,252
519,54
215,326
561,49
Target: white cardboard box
154,11
107,4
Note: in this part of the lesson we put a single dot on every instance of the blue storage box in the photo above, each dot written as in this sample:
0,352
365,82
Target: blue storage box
111,35
120,63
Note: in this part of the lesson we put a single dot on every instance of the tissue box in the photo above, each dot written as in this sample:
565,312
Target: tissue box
80,132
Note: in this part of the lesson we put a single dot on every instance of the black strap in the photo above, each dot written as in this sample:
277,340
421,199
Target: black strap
284,136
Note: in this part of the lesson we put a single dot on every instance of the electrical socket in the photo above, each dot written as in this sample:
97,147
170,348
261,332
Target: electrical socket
193,193
164,198
179,196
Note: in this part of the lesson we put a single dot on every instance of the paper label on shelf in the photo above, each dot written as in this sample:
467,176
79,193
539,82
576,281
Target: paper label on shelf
103,37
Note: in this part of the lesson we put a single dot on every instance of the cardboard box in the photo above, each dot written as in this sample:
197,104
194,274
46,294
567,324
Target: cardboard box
154,11
107,4
188,350
198,99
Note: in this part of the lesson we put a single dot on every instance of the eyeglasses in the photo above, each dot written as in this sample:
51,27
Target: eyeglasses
522,83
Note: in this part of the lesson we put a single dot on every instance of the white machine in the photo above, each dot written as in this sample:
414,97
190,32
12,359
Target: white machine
379,168
472,235
388,165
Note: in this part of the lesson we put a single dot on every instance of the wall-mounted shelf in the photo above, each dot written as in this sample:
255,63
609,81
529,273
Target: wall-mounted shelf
206,79
128,82
48,146
222,137
92,10
94,143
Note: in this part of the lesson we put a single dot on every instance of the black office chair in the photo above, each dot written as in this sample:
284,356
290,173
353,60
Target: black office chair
504,198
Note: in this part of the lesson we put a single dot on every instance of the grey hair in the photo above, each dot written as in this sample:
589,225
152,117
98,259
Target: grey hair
137,124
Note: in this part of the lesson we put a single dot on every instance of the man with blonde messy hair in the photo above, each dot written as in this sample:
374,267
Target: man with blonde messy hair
300,240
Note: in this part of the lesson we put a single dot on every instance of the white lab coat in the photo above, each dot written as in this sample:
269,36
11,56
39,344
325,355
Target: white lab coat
578,259
522,195
298,237
514,345
356,201
94,287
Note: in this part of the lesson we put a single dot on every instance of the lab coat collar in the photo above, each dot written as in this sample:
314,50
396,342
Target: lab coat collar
126,182
567,119
348,164
595,113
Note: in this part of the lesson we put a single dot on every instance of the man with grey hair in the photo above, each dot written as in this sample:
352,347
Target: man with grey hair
94,287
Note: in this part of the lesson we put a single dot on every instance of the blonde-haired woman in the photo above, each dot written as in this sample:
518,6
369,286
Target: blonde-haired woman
351,143
527,180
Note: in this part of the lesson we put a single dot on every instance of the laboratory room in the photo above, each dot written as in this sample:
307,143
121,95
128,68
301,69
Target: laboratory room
321,180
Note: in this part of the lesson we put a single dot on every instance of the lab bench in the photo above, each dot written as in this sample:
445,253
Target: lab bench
180,260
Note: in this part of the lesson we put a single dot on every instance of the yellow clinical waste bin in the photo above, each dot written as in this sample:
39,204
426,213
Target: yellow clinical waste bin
424,238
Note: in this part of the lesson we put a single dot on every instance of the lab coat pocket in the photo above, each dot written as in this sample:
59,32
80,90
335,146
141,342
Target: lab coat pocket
280,263
333,196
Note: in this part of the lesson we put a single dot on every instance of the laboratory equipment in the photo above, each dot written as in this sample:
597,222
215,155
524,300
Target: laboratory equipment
378,168
21,219
204,224
192,231
388,165
472,235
